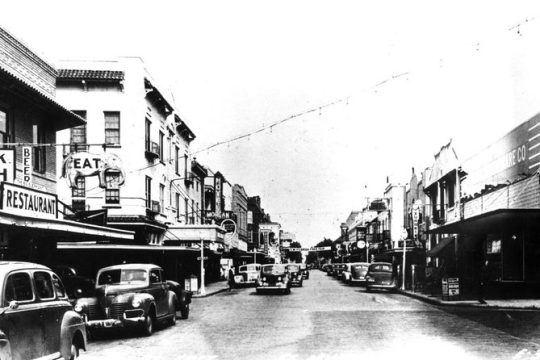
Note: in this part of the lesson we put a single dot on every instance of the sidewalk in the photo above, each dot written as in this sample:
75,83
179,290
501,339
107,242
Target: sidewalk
502,304
213,288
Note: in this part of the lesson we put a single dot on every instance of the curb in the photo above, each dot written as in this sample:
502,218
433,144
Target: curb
210,293
434,301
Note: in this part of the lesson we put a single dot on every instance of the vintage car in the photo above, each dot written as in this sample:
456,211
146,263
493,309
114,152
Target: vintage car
358,273
76,286
247,274
129,295
274,277
380,276
295,274
305,271
183,298
329,268
36,319
337,270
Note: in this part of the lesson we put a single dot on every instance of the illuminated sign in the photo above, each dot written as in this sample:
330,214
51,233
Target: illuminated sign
19,200
86,164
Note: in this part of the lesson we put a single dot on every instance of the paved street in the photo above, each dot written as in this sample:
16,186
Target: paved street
327,319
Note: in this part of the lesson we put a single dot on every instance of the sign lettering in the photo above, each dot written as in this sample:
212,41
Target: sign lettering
7,165
27,164
22,201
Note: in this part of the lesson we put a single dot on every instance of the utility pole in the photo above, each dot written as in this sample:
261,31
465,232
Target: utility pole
202,290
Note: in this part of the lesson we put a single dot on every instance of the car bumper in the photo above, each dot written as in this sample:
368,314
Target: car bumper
296,282
272,287
115,323
382,286
358,281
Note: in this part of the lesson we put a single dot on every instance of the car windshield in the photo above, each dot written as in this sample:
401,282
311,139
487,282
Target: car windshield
293,268
360,267
122,277
273,269
380,268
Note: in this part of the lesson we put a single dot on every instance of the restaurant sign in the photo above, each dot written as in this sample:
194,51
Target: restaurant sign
83,164
22,201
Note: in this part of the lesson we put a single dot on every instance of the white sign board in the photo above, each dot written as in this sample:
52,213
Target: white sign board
19,200
7,165
27,164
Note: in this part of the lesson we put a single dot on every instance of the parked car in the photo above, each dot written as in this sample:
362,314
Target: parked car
337,270
305,271
76,286
183,298
346,273
329,269
380,276
248,274
295,274
129,295
358,273
274,277
36,318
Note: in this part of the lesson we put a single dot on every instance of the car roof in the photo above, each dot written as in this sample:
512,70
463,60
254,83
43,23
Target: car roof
20,265
130,267
381,263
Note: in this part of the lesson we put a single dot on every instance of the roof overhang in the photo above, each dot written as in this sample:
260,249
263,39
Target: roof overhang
122,247
81,231
490,221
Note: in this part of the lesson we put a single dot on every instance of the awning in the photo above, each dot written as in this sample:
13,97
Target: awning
440,246
490,221
79,246
65,227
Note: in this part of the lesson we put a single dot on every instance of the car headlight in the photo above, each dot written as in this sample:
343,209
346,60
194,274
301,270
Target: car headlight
279,278
264,278
78,307
136,302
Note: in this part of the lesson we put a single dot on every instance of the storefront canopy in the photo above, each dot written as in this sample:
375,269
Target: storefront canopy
79,246
72,230
489,221
443,243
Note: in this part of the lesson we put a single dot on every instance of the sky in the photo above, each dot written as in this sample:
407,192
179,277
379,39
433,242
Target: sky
407,78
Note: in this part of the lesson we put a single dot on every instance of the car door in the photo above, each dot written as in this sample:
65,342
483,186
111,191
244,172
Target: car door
22,324
159,291
51,309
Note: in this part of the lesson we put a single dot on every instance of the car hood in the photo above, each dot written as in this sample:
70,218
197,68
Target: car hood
109,290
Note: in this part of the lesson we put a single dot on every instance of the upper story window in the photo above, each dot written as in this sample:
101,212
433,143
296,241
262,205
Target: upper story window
112,188
177,160
79,191
78,135
161,140
38,137
162,197
6,128
148,191
112,127
147,143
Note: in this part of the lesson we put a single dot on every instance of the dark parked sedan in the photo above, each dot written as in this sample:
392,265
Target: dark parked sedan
295,274
358,273
380,276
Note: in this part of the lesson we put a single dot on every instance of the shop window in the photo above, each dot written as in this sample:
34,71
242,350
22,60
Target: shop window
18,288
148,191
112,188
112,128
39,160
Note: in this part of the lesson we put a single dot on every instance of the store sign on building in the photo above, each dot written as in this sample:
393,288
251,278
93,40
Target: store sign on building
7,165
218,193
22,201
86,164
27,165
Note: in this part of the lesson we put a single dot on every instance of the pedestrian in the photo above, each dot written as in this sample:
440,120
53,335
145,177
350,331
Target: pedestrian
231,278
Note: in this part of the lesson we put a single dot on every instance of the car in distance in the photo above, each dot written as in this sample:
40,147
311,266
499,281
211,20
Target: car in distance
337,270
358,273
305,271
380,276
248,274
36,318
329,269
295,274
274,277
129,295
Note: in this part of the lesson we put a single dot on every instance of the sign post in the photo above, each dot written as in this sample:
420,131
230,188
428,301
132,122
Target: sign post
403,238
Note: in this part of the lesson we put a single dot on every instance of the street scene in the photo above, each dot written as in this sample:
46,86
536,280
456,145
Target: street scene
286,180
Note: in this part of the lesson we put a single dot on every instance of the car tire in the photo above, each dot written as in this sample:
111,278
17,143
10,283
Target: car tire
185,312
148,325
172,320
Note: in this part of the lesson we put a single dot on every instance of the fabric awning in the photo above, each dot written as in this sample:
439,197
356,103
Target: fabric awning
80,231
443,243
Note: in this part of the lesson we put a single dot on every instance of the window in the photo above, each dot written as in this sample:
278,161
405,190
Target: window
60,291
197,185
44,286
78,135
177,160
148,191
112,188
19,288
79,191
112,127
177,206
161,136
186,209
38,137
192,212
155,277
147,144
3,127
162,197
169,147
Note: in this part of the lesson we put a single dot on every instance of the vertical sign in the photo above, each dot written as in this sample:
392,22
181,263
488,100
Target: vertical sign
27,164
218,193
7,165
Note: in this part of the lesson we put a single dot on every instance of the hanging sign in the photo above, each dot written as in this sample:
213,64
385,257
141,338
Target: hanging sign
86,164
22,201
27,165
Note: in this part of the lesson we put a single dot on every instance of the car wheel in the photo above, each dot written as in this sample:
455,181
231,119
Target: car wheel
185,312
74,351
172,320
148,325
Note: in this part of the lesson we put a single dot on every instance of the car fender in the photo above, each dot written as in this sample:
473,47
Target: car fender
172,300
72,327
5,346
147,301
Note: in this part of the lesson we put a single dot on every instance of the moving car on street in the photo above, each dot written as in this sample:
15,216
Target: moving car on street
129,295
36,318
358,273
248,274
381,277
305,271
295,274
274,277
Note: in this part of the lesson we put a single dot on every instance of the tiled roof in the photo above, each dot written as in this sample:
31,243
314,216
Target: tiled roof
74,74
